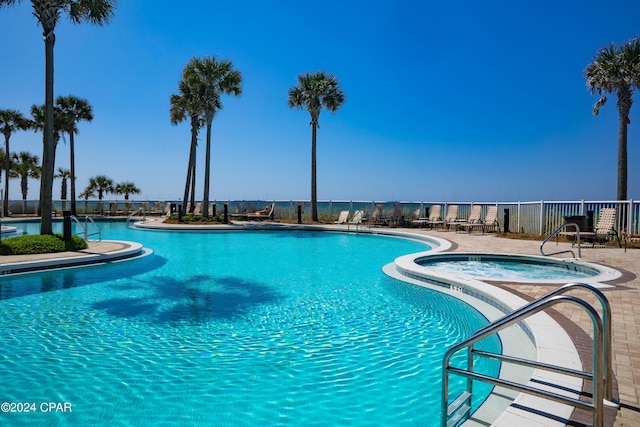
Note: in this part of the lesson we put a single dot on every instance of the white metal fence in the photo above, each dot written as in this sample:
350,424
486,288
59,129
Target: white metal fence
535,217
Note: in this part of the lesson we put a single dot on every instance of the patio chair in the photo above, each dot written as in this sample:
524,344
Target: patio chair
490,221
435,217
474,219
356,220
198,209
266,213
452,217
605,227
344,215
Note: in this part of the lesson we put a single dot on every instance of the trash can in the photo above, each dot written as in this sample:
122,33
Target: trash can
580,220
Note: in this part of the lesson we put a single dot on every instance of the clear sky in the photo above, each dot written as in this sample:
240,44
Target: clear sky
455,101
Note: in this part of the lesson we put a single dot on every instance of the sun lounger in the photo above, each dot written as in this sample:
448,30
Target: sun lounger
451,218
490,221
605,228
474,219
266,213
344,215
435,217
356,220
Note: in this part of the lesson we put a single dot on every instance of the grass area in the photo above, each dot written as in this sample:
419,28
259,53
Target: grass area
30,244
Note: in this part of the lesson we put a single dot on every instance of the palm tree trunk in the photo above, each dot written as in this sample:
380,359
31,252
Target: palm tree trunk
190,183
207,166
72,167
7,166
48,151
622,157
192,207
314,189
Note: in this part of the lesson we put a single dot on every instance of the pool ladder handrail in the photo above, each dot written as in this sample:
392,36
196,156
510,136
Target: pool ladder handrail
85,227
555,233
134,213
601,377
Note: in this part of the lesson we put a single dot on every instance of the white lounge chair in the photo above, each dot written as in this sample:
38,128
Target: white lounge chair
356,220
344,215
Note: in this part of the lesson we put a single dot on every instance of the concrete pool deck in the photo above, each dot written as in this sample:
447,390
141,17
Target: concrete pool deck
624,297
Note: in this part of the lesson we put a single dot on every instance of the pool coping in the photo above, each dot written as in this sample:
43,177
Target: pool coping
88,257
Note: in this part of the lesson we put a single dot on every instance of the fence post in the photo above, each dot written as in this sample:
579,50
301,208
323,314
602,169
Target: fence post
540,230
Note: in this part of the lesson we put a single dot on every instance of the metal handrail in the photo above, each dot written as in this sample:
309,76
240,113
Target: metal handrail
134,213
85,227
555,233
602,375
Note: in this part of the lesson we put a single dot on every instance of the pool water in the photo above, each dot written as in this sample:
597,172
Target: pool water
238,328
505,269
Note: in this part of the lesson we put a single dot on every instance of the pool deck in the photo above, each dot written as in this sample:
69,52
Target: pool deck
624,298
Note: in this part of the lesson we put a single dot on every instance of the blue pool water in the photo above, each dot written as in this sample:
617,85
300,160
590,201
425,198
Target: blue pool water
508,268
242,329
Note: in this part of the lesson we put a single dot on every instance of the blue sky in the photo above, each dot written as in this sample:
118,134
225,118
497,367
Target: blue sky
453,101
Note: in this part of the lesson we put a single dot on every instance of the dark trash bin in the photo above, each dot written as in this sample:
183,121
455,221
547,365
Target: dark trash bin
580,220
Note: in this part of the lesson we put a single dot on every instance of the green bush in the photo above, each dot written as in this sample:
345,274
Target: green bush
40,244
195,219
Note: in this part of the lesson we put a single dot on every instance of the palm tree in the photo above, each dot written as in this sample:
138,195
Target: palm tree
48,12
10,122
63,174
313,92
616,69
72,111
25,166
183,105
126,188
38,113
208,78
102,185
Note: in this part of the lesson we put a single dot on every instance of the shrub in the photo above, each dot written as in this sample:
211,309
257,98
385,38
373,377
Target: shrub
40,244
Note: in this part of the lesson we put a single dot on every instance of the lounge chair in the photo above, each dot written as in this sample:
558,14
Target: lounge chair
452,217
266,213
376,217
198,209
435,217
356,220
605,227
344,215
474,219
490,221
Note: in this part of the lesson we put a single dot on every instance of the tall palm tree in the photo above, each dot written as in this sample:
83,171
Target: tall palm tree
47,12
25,166
72,111
10,122
101,185
38,113
126,188
313,92
616,69
63,174
208,78
182,105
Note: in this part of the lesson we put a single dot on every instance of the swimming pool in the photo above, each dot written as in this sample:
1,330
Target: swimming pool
243,328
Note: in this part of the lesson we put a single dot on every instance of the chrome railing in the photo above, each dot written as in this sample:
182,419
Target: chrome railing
556,233
601,376
85,227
